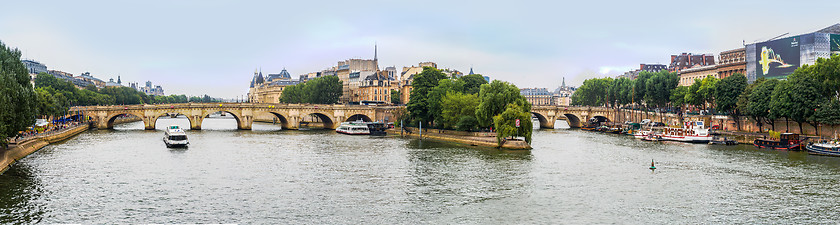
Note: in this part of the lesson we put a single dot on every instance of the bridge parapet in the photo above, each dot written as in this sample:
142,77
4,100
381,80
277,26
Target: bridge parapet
290,115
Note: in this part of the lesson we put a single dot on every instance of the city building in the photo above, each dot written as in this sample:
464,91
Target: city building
778,58
541,96
537,96
688,60
69,77
732,62
86,77
407,76
111,83
688,76
34,67
633,74
149,89
376,89
270,89
563,94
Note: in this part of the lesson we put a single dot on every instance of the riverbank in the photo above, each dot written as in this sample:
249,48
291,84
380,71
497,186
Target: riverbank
484,139
22,149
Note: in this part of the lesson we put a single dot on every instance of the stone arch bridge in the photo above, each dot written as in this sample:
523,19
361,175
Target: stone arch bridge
574,115
288,115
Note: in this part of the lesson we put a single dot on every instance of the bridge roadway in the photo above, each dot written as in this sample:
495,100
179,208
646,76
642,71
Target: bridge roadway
290,115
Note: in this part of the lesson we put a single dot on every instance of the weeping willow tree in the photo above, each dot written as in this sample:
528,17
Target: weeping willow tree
505,123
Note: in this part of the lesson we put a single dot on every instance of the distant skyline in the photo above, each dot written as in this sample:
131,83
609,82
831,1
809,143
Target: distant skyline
213,47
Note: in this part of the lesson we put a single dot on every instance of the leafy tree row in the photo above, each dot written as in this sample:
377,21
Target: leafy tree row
321,90
55,96
468,103
17,99
811,94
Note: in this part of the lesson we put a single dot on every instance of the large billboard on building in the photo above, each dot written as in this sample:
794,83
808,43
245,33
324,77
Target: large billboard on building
834,41
777,59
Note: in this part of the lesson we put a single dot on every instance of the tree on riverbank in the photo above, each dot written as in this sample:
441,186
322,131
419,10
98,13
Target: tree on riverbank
494,98
505,123
321,90
17,98
727,91
418,105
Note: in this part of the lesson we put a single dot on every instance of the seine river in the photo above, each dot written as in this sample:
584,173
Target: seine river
269,176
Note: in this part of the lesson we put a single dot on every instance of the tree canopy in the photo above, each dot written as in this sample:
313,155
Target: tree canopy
494,98
418,105
321,90
17,98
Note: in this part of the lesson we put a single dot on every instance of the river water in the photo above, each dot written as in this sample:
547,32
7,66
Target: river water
269,176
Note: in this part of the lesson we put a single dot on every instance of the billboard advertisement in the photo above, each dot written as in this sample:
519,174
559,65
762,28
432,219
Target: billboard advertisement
778,58
834,41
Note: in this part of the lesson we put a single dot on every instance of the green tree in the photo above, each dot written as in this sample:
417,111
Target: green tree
17,98
829,112
418,104
707,90
505,123
593,92
678,96
455,106
292,94
659,88
494,98
693,95
727,91
827,71
435,97
324,90
395,97
806,95
472,83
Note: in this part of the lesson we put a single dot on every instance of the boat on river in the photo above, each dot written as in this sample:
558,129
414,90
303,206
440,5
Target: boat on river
789,141
653,137
353,128
721,140
692,131
175,137
824,148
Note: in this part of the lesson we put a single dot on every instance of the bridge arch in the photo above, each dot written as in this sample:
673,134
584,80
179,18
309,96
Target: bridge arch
279,117
573,120
109,120
207,114
329,122
155,118
544,121
362,117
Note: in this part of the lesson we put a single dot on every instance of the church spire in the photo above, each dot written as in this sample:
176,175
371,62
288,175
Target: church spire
564,82
375,51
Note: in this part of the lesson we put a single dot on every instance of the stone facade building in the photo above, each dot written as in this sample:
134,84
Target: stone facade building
688,60
732,62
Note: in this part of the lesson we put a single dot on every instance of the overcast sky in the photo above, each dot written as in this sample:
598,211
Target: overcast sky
213,47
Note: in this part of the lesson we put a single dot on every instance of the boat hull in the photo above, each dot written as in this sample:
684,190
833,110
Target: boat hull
352,133
775,145
818,150
689,139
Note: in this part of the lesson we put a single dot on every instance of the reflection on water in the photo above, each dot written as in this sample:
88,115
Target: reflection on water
270,175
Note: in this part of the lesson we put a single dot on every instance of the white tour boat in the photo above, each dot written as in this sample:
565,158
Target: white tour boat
358,127
692,131
174,136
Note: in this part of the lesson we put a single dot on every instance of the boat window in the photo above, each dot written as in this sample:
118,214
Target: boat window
178,138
